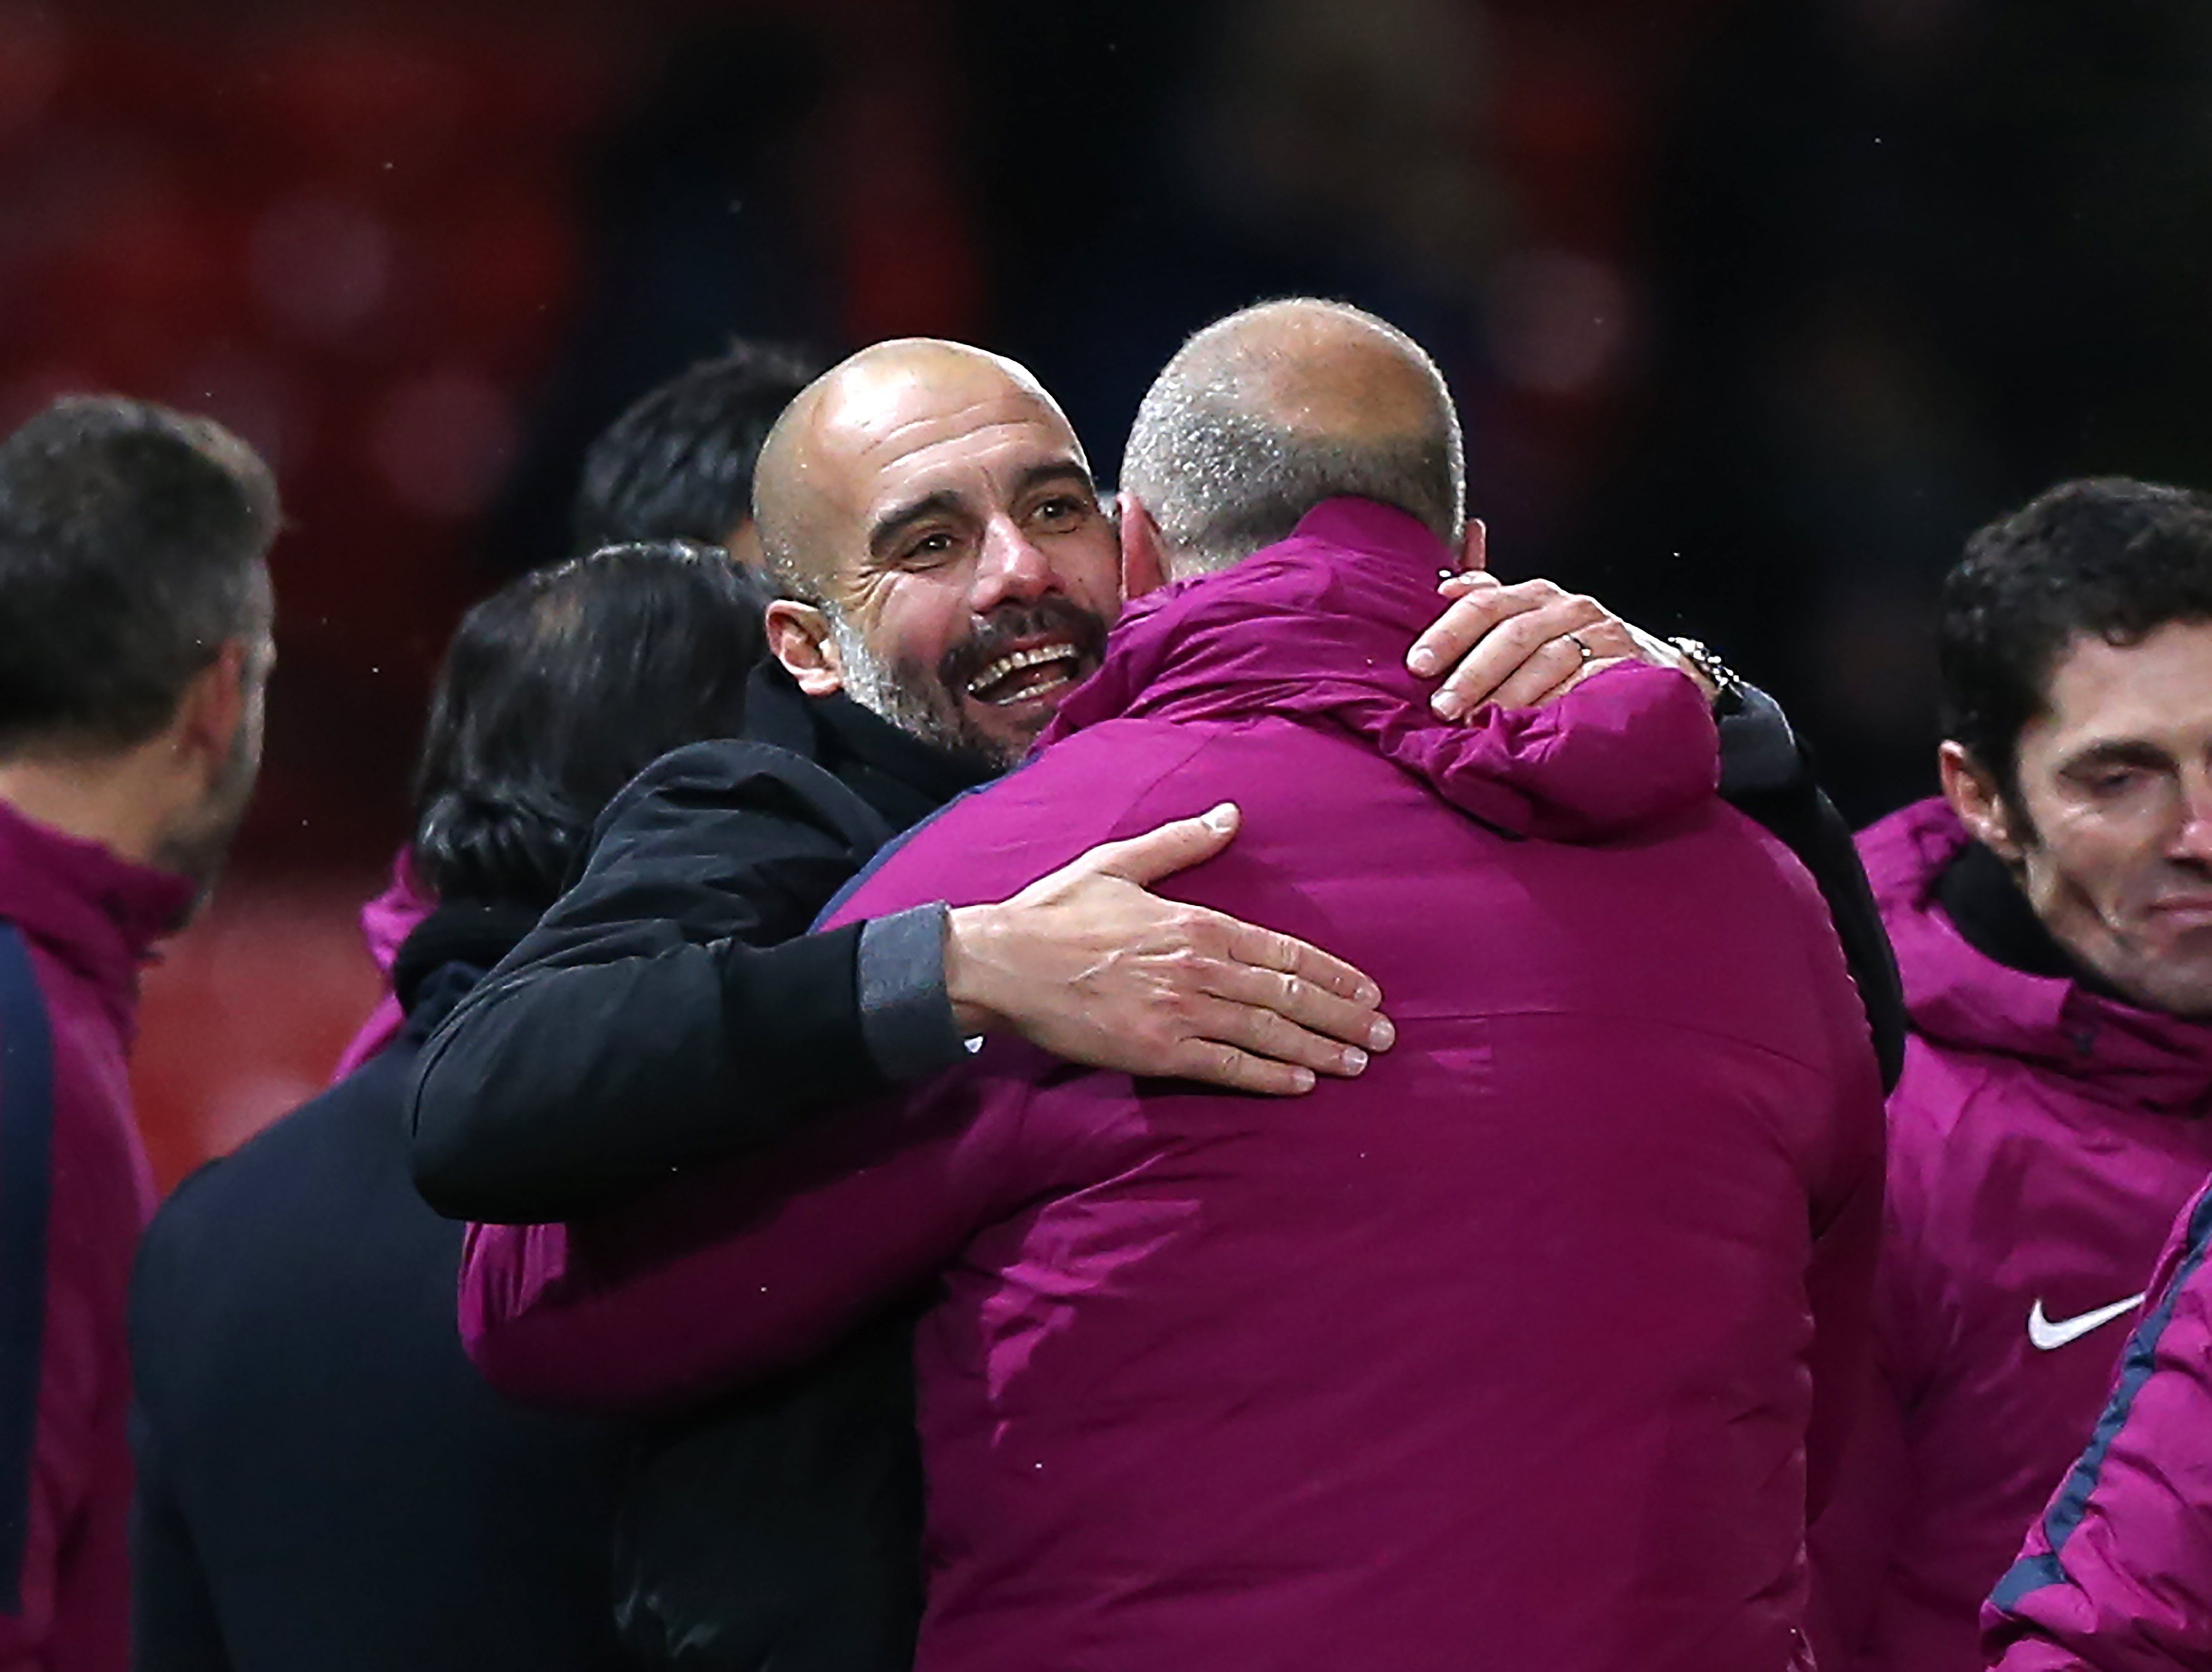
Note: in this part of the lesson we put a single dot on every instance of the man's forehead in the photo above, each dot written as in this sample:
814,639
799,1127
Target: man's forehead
959,440
2158,687
885,413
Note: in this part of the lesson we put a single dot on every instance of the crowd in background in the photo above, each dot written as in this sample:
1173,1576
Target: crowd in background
1753,317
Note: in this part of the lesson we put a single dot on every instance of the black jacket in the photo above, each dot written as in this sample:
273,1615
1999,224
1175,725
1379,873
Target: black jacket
323,1479
658,1015
671,1006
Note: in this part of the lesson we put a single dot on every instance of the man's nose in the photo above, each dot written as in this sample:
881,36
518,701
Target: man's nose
2193,840
1011,569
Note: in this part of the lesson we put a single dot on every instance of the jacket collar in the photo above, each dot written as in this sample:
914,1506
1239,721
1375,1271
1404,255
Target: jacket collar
453,947
903,778
1958,996
85,906
1315,629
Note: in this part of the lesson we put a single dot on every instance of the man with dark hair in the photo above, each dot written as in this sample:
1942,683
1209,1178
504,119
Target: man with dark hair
136,615
678,464
1340,1381
2053,914
323,1479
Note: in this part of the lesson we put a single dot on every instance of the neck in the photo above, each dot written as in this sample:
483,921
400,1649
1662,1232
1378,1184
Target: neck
102,800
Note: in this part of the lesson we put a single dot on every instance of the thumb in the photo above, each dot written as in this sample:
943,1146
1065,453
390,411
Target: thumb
1174,847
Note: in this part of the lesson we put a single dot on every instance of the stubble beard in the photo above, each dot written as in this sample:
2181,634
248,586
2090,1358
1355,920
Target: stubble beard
913,699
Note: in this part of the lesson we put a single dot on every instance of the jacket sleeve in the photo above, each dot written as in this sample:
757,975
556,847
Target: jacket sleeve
1847,1234
2116,1576
741,1268
670,1006
1767,775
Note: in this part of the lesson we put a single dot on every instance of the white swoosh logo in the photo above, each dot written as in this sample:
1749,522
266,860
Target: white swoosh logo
2048,1335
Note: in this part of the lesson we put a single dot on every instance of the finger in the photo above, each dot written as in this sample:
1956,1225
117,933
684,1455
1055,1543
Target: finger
1175,846
1262,1033
1555,667
1465,621
1460,582
1490,663
1287,955
1240,1070
1550,669
1304,1004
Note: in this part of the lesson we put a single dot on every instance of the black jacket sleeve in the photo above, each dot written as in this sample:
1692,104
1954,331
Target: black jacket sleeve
671,1006
1767,775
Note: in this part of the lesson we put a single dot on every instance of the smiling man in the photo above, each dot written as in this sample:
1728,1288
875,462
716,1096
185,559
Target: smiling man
923,462
2053,914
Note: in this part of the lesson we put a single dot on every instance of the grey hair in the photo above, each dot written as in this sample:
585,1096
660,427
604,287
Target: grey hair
1222,478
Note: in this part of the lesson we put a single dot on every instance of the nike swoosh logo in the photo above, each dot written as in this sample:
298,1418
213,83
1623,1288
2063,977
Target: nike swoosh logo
2048,1334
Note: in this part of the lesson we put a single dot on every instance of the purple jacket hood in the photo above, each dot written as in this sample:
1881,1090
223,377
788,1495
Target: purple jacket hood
1960,999
1317,626
385,923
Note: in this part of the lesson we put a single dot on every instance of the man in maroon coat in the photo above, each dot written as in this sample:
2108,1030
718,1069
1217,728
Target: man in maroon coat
135,614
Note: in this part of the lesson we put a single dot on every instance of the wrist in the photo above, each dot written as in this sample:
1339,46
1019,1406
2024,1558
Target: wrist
1722,687
973,935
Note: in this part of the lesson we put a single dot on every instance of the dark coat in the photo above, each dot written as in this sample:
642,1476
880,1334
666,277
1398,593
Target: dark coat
324,1481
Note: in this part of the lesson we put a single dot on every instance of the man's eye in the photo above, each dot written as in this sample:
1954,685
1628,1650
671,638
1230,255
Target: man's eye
2108,784
929,549
1062,511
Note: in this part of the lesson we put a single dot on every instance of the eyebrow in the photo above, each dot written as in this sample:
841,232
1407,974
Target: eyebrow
895,521
2118,752
887,528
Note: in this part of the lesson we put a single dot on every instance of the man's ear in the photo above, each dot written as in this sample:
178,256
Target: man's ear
203,730
1143,561
1980,804
1475,547
799,637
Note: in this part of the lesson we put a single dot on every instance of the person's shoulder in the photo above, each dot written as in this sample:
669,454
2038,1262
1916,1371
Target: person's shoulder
226,1202
737,775
1767,883
1093,786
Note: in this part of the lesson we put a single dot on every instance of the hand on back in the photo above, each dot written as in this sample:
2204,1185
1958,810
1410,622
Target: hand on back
1089,964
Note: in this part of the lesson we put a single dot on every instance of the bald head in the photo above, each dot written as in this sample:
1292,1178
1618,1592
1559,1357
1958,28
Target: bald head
1261,415
819,461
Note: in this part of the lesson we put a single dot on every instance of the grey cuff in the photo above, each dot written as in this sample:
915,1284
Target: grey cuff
906,1013
1759,752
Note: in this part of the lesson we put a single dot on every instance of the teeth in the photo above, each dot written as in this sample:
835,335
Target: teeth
1008,666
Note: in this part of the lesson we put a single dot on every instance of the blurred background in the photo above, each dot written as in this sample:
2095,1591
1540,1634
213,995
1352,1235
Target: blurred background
1754,310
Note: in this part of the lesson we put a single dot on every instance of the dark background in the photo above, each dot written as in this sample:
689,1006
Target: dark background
1753,309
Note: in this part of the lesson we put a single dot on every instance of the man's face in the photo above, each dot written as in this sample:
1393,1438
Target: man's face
2116,781
975,575
198,838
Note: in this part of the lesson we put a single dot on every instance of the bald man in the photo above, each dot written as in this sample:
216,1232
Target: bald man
950,575
1344,1381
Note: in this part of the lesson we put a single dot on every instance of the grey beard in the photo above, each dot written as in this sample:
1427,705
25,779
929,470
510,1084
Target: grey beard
910,698
196,849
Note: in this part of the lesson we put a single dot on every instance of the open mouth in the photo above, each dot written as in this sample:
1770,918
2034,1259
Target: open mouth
1025,675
